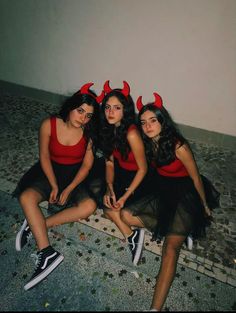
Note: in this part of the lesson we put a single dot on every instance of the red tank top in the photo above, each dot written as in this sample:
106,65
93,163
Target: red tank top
174,169
65,154
130,163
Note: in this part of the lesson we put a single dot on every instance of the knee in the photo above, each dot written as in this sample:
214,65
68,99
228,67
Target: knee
89,207
27,197
125,216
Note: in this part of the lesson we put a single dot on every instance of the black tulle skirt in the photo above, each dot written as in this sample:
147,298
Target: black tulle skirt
180,210
36,179
142,203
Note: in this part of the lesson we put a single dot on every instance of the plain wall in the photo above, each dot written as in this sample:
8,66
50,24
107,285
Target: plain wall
183,49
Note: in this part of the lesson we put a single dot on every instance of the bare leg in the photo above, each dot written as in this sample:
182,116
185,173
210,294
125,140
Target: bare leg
115,216
170,255
81,211
29,201
130,219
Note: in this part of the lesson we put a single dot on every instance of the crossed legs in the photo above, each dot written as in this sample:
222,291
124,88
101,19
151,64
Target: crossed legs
124,220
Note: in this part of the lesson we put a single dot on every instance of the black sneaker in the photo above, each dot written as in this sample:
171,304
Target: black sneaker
47,260
23,236
136,244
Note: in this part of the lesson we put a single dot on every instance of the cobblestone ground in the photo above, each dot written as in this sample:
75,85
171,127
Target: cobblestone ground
213,256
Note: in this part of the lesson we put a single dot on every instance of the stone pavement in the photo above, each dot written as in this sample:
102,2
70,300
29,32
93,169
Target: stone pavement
97,273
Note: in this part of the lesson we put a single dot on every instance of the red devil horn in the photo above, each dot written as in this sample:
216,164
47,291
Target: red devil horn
107,87
101,97
126,89
85,88
139,104
158,100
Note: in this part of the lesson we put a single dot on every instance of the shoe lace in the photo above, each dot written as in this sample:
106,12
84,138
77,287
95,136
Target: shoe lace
37,258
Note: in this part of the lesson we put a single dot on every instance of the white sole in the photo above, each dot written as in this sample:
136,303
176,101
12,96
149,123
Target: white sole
19,235
140,247
189,243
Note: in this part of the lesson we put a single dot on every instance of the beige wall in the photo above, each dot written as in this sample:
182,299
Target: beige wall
183,49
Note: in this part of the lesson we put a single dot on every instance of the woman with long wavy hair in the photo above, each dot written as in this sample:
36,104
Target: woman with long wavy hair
67,145
127,199
185,198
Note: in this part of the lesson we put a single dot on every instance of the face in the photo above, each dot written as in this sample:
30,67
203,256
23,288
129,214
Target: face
150,125
114,111
81,115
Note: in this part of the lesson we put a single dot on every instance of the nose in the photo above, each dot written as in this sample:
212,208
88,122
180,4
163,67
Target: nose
111,109
148,125
83,117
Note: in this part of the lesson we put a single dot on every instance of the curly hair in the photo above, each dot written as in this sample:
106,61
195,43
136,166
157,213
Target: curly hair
112,137
75,101
163,152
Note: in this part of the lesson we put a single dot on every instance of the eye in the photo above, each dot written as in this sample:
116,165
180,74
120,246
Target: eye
117,107
154,120
107,107
80,110
89,115
142,123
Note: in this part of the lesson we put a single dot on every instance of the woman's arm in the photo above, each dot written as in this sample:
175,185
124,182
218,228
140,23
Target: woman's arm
185,155
109,197
82,173
44,156
137,147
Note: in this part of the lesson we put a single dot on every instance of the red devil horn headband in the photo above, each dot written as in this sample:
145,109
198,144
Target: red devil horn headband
125,91
85,90
158,101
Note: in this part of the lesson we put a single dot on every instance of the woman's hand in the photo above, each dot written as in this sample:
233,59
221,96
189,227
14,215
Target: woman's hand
53,195
207,211
109,198
208,214
64,196
119,204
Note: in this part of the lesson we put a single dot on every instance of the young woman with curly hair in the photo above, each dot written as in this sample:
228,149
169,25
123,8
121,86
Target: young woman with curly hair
127,199
67,144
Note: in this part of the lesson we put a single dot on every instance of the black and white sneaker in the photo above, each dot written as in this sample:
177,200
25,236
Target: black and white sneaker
23,236
47,260
136,244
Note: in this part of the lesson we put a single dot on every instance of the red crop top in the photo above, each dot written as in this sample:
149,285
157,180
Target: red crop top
65,154
130,163
174,169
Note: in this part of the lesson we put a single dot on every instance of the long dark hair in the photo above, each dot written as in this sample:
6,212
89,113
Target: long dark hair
112,137
75,101
162,153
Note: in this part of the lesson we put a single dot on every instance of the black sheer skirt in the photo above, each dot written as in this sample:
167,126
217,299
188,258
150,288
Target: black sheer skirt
180,210
142,203
36,179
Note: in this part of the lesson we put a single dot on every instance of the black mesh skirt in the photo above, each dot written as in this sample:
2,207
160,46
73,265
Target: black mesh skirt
180,210
36,179
142,203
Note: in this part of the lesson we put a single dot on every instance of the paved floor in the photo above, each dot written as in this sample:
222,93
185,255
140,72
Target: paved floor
97,273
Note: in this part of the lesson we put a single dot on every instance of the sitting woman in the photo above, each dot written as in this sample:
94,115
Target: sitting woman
67,144
185,198
127,200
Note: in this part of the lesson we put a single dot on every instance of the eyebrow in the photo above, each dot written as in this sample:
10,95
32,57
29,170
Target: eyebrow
148,118
116,104
85,111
